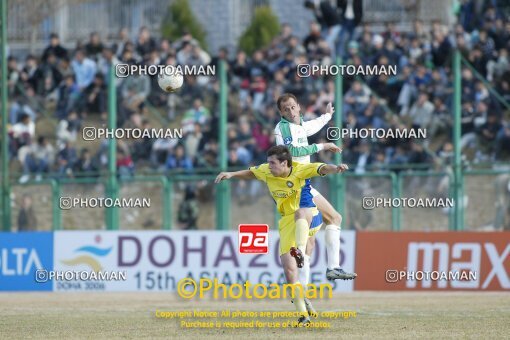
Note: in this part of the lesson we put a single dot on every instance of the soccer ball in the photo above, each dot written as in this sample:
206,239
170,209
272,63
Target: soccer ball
170,83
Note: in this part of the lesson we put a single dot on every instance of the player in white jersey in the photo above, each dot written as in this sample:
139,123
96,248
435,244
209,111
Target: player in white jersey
293,132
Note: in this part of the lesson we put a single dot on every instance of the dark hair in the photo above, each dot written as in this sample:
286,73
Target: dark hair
309,4
281,152
283,98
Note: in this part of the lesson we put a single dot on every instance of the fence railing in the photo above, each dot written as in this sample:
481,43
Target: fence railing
258,208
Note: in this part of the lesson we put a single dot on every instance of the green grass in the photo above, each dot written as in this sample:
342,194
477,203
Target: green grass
132,315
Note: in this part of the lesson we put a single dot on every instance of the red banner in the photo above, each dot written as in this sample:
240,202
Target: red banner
432,261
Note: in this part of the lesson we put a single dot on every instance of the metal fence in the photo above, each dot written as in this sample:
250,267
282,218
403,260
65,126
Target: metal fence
405,11
486,201
75,20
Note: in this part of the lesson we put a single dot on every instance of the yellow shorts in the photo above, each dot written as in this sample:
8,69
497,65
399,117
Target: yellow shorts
287,230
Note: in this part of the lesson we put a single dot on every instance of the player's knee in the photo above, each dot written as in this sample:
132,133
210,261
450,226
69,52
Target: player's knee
300,213
335,219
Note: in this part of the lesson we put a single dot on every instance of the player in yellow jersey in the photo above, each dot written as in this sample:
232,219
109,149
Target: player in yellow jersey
285,178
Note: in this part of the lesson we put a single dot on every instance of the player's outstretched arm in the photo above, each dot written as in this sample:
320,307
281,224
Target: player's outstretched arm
315,125
242,174
332,147
332,169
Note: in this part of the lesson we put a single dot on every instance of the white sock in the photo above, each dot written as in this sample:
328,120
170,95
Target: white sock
304,273
333,245
299,303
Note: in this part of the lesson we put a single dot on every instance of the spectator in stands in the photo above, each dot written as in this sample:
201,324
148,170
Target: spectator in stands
241,72
423,57
68,96
67,129
54,48
486,44
356,99
106,60
178,160
125,165
95,96
441,49
399,159
13,76
85,166
37,159
497,68
373,114
27,220
145,43
122,40
28,71
197,114
419,156
188,209
478,60
161,150
327,16
48,76
502,147
245,136
361,158
84,69
193,142
442,119
422,112
64,68
66,160
21,134
487,133
352,13
20,107
311,42
263,140
135,90
142,148
94,47
481,92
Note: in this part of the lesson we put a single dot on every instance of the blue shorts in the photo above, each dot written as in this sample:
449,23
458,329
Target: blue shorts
306,200
316,221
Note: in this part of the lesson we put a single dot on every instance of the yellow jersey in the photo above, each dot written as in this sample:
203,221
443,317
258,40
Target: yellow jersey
286,191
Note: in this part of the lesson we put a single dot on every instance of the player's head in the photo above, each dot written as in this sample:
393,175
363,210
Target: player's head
289,108
279,160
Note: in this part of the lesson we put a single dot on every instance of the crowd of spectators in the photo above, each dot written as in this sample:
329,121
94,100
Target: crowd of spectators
71,84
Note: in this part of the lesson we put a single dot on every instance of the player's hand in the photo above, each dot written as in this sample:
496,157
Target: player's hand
330,109
222,176
332,147
341,168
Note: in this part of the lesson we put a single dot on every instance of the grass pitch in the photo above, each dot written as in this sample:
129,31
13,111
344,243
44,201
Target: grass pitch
132,315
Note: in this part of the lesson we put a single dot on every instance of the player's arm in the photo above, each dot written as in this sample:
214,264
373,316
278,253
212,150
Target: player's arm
315,125
242,174
310,170
284,137
327,169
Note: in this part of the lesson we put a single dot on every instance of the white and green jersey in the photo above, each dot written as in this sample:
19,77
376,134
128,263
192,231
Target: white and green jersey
295,136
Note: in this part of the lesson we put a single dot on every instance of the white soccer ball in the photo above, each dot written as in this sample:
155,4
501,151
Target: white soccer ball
170,82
